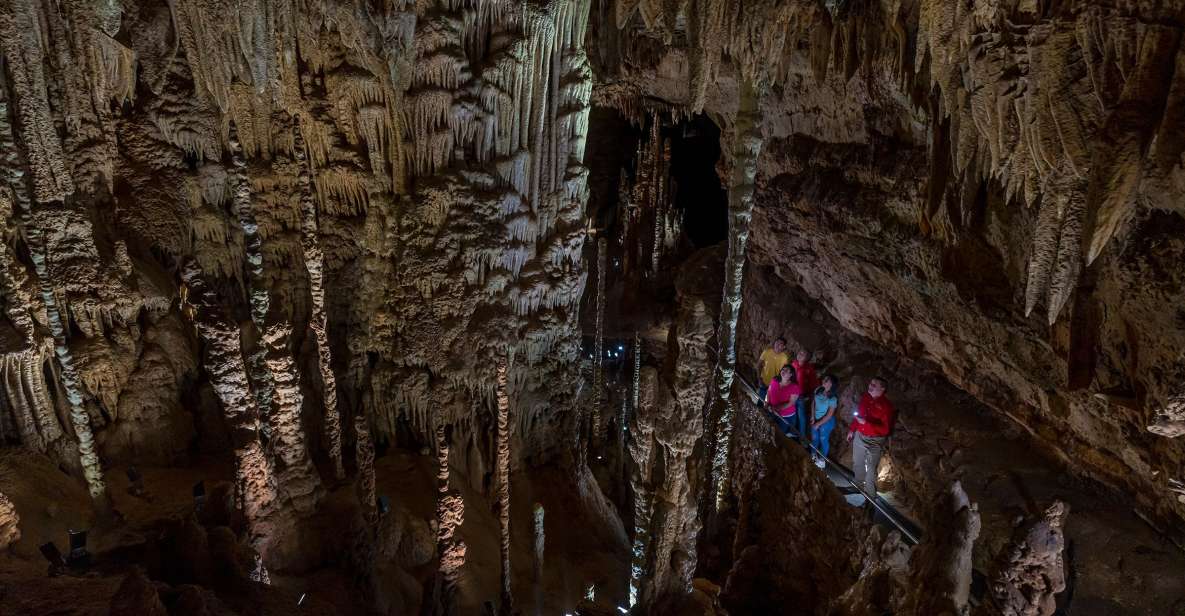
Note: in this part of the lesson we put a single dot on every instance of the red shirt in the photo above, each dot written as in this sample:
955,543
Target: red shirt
780,394
807,377
877,414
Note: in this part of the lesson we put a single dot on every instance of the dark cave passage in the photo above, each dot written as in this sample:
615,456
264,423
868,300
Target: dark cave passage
699,193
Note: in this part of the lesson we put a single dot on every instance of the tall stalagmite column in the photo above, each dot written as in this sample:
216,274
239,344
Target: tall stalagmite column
641,446
22,44
503,479
315,264
450,514
599,346
255,477
745,149
364,456
538,570
298,476
240,183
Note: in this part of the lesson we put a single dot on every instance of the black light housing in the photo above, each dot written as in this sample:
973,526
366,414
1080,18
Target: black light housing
78,556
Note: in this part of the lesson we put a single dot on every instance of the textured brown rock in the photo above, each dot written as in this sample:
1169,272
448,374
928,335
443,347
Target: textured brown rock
1032,572
226,226
10,530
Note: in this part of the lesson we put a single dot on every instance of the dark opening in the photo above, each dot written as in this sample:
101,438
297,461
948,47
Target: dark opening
699,195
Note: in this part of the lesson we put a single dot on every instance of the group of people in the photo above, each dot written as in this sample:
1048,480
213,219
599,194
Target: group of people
797,396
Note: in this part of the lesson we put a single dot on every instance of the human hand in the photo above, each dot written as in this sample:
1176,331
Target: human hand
850,436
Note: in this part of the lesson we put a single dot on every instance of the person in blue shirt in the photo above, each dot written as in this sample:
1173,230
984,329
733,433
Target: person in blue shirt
826,401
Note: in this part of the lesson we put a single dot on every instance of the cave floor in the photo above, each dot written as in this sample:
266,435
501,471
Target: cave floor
1115,562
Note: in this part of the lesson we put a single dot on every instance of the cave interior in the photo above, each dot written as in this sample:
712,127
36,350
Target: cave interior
453,307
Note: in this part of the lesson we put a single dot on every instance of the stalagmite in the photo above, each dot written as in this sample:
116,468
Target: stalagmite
255,476
315,265
747,142
506,607
1032,571
79,418
450,550
52,184
364,458
244,211
298,477
538,565
641,446
598,396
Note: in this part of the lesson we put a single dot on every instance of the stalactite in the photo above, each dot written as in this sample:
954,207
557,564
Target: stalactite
364,458
24,56
298,477
599,344
254,477
746,148
661,204
315,265
506,607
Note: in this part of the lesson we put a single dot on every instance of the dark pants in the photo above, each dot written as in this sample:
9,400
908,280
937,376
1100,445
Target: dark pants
802,412
789,425
761,391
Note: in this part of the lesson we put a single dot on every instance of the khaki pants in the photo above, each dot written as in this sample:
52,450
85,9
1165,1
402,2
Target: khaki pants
866,460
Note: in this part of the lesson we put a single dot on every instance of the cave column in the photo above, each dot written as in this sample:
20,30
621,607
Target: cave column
255,477
746,148
450,514
315,264
503,478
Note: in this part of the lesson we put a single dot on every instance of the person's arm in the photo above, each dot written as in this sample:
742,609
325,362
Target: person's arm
827,417
855,420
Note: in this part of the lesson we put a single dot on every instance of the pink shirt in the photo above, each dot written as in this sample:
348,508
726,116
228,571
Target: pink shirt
780,394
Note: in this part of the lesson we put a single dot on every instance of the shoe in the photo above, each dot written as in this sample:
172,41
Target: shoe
820,462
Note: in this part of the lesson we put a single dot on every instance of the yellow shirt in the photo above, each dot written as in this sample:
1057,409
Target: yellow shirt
771,364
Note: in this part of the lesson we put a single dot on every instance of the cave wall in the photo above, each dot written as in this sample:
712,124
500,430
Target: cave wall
993,187
413,167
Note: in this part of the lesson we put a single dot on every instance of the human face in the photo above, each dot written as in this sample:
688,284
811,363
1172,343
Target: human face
802,356
827,383
785,374
779,346
876,388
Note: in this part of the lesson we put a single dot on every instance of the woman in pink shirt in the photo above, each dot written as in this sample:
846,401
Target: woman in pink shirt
782,398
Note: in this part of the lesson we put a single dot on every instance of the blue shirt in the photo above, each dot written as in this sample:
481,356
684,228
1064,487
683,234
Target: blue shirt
823,404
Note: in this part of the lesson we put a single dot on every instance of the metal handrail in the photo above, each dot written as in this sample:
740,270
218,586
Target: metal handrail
843,471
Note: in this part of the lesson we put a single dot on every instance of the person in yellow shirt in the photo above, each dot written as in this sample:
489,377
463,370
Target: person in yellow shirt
770,363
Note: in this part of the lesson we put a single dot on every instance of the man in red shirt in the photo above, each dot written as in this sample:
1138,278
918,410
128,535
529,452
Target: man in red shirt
869,434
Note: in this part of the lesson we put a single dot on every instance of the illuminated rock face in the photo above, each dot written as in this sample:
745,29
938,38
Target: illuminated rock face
298,235
402,187
992,187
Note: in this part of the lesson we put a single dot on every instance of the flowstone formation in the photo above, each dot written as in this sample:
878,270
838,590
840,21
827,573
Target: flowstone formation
265,231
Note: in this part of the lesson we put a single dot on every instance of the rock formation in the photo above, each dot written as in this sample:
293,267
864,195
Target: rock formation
229,228
1033,571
